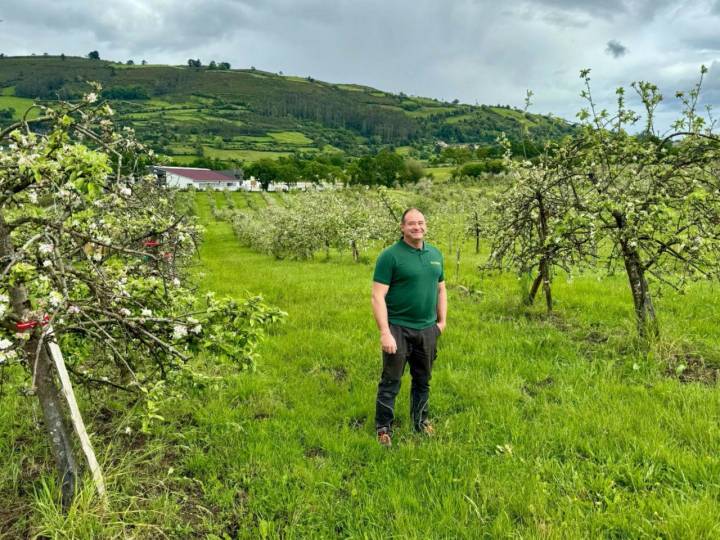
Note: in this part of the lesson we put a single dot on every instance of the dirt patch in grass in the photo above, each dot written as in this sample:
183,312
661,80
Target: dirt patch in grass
12,517
691,367
315,452
532,389
338,373
594,336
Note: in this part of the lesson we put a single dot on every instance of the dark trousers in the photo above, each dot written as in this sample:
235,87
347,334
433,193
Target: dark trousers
417,348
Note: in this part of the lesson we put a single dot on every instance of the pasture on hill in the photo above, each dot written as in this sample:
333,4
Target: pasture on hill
557,426
218,112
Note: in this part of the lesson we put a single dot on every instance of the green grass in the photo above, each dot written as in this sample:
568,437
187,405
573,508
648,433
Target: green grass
252,138
430,111
548,427
180,149
441,174
20,105
246,155
459,118
184,159
290,137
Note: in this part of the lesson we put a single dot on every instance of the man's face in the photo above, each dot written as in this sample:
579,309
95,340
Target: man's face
413,227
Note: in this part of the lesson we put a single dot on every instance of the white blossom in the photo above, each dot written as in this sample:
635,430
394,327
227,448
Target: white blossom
125,312
45,248
47,263
91,97
146,312
126,191
196,329
55,298
179,331
5,343
73,310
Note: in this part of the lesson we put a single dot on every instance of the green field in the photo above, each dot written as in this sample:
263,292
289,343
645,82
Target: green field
246,155
441,174
548,427
175,104
290,137
20,105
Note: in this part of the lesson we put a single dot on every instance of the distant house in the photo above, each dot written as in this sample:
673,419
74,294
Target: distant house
185,177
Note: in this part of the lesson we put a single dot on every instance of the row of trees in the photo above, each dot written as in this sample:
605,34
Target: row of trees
196,63
386,168
308,223
604,199
648,204
321,168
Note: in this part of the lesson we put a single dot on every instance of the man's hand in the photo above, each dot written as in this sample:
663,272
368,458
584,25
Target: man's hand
388,342
441,326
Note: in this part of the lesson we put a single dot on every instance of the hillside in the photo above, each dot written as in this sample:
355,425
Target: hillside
247,113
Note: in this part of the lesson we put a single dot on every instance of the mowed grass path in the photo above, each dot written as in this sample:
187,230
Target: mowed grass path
547,427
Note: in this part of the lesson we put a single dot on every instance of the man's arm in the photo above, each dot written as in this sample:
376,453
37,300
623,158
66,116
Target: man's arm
442,306
379,290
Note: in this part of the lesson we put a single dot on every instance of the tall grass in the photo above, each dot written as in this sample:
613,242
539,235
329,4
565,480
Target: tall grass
548,427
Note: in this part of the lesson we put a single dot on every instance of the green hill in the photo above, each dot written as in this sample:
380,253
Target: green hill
247,113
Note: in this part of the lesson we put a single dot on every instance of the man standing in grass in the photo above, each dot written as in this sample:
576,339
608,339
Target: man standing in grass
409,303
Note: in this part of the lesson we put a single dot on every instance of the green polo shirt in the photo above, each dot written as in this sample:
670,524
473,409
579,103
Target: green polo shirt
413,276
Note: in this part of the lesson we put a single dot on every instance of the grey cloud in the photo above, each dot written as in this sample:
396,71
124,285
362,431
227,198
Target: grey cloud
136,26
594,8
616,49
469,49
610,9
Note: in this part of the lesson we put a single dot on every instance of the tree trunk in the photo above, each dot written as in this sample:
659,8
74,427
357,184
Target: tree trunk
355,252
545,275
55,426
477,239
545,259
530,299
644,310
45,386
457,265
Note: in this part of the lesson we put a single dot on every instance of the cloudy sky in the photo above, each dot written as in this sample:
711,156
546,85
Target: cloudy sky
477,51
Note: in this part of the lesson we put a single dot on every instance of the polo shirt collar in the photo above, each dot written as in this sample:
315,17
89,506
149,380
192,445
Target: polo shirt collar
410,248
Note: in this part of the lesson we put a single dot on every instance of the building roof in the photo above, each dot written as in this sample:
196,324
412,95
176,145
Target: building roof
199,175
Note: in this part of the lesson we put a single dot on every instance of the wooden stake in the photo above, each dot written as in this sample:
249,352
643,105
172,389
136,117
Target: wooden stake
76,417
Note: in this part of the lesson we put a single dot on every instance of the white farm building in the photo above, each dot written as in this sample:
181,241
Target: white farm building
184,177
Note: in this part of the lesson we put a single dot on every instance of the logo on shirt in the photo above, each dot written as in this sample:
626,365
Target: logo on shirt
435,262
